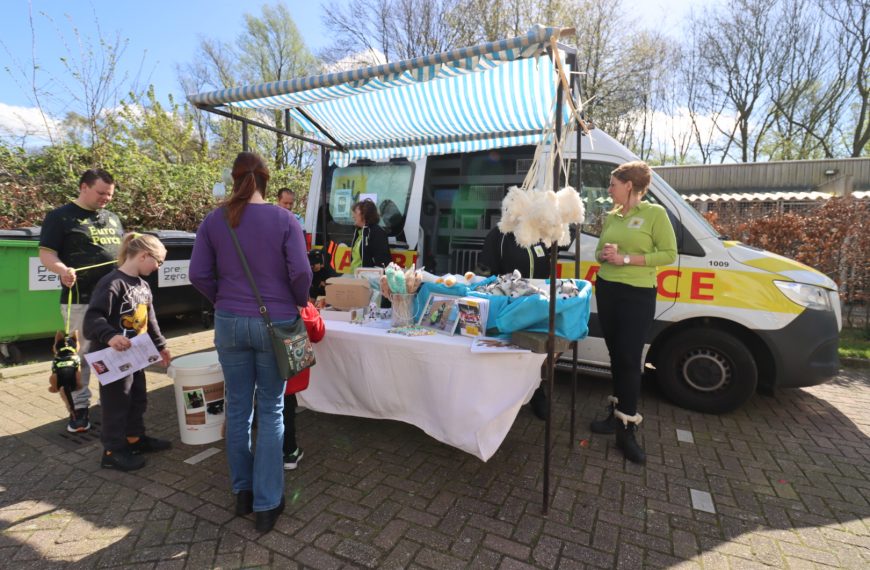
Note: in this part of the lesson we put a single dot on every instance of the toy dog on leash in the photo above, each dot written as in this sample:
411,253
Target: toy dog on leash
66,374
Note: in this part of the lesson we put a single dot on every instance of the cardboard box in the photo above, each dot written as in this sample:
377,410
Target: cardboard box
347,293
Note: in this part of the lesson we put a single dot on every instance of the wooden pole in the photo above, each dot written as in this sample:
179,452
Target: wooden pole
551,334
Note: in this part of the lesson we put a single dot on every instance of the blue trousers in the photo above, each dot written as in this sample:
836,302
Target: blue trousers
245,353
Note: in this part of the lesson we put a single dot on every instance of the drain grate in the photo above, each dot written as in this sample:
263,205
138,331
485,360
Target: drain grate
73,441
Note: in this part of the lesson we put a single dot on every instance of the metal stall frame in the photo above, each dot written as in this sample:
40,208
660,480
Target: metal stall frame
294,95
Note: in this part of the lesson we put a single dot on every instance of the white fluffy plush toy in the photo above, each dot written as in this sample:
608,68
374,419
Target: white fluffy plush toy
535,216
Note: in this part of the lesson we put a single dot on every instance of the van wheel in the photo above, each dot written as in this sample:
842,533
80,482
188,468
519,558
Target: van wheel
706,370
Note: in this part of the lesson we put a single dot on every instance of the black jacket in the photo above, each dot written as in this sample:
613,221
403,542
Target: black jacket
374,249
502,254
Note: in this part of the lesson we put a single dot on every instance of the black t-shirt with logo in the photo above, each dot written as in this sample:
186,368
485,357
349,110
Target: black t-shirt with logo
122,304
81,238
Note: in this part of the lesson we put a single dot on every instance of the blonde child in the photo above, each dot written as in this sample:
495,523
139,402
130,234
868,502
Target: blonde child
120,309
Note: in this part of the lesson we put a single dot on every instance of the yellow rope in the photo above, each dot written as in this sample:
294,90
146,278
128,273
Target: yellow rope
563,78
69,297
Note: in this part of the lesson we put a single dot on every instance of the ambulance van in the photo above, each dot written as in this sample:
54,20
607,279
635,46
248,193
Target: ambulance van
731,319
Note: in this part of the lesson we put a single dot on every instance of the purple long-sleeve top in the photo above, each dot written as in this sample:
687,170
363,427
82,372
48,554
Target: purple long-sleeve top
274,246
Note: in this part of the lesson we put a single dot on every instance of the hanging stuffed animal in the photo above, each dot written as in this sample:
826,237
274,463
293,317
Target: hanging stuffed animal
535,216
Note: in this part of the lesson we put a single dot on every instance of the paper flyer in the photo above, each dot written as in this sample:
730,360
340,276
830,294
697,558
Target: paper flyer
110,365
495,345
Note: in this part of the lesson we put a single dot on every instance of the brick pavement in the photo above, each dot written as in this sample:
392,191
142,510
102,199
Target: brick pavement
788,480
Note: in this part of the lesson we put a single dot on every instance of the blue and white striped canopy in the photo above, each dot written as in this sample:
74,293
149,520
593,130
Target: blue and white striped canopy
489,96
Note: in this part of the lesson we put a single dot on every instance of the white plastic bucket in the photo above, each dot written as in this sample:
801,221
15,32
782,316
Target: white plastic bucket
199,397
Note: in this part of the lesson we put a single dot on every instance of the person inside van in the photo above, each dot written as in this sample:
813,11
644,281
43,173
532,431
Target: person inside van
370,245
502,254
636,237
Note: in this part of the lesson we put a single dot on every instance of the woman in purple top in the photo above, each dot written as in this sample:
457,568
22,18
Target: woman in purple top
274,247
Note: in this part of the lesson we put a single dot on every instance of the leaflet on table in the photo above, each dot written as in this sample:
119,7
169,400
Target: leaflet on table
110,365
489,344
473,314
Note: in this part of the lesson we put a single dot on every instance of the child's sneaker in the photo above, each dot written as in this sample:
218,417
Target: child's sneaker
291,460
121,460
80,423
147,444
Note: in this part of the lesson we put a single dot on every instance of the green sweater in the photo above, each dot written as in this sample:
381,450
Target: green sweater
646,230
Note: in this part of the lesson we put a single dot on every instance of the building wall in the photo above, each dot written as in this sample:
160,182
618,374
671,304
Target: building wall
836,176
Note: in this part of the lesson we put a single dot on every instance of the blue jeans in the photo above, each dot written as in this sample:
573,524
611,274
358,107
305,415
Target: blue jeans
245,353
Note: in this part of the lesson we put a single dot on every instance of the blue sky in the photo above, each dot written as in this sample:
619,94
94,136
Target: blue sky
163,34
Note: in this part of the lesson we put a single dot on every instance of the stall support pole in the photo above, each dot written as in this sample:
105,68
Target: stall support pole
244,136
578,232
324,205
551,334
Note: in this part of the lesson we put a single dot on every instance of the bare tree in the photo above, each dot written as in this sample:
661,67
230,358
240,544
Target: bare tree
213,68
851,20
620,68
808,83
399,29
273,50
735,50
269,49
97,81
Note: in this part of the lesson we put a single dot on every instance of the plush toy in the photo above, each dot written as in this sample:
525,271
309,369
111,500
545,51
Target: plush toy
66,374
535,216
511,285
566,288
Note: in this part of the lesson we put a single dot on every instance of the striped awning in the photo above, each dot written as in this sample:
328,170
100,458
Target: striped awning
489,96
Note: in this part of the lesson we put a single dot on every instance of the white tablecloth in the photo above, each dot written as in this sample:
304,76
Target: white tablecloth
464,399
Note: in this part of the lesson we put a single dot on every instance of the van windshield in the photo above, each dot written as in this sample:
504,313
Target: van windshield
387,185
596,198
699,218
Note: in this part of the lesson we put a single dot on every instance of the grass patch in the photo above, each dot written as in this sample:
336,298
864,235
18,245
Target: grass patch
855,343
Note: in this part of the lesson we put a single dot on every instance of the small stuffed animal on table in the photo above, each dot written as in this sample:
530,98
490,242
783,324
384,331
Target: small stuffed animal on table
66,374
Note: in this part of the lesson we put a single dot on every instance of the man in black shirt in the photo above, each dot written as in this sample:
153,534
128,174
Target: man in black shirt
80,234
502,254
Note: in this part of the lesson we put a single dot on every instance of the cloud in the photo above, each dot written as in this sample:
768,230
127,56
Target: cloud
26,123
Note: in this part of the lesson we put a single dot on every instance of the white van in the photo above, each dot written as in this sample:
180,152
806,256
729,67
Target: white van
730,319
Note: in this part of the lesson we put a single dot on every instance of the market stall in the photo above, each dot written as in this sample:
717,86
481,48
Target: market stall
517,91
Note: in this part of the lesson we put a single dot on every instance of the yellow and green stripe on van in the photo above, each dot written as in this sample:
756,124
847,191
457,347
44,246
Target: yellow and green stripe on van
733,288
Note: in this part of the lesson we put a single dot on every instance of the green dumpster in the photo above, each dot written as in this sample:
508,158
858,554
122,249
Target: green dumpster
29,293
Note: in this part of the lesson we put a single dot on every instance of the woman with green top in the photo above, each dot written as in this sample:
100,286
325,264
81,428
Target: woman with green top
370,247
636,238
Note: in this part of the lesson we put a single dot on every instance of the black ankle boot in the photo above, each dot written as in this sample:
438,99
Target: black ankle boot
539,404
244,503
625,440
266,519
609,424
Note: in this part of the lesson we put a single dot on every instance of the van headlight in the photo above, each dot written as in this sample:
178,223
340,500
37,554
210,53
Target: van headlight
808,296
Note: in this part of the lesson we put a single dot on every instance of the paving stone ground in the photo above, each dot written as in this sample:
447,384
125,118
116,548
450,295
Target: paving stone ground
789,480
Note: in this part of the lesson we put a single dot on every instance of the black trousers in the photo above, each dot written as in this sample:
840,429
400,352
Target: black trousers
626,314
123,403
289,423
